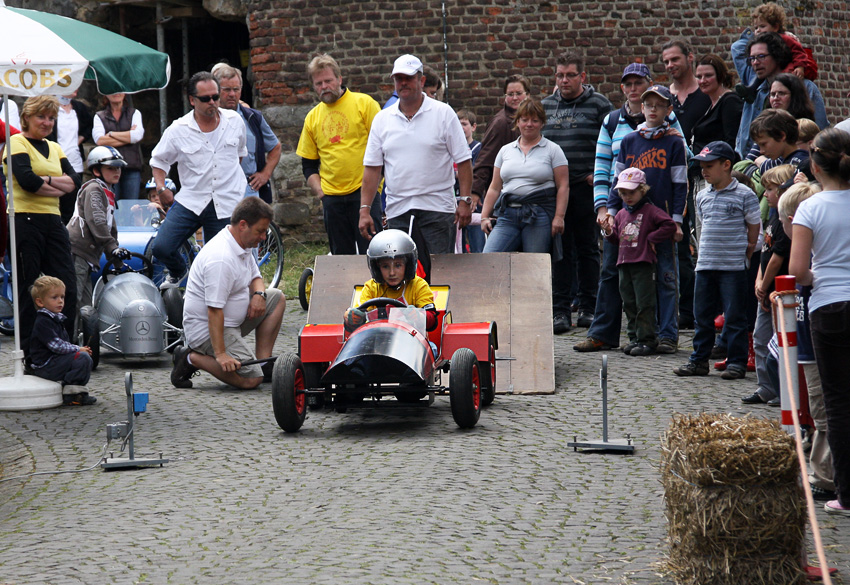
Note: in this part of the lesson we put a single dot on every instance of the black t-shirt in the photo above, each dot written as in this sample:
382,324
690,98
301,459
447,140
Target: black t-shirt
689,112
775,242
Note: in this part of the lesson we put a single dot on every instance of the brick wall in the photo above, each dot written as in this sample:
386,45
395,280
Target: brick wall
489,40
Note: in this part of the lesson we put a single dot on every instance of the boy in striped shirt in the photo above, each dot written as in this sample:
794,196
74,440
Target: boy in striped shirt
730,229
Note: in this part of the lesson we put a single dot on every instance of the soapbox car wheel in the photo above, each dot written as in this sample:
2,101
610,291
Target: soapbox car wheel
465,388
111,270
173,299
288,398
381,303
305,287
91,333
487,373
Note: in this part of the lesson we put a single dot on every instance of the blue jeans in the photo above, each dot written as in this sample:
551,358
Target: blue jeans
178,226
729,288
608,315
529,232
128,186
581,254
476,238
68,368
667,281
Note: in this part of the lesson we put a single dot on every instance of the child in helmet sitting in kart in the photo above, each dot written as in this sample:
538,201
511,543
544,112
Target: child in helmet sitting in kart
92,229
141,215
392,259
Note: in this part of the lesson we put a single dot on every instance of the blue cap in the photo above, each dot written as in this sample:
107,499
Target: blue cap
638,69
716,150
660,91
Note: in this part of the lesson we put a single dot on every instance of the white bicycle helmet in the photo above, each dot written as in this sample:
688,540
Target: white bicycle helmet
105,155
392,244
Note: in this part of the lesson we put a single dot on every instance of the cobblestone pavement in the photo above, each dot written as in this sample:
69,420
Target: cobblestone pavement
361,497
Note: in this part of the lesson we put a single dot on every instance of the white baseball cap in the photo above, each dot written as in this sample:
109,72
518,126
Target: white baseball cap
407,65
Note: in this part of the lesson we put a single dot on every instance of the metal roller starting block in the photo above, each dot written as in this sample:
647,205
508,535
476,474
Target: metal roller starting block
137,403
606,444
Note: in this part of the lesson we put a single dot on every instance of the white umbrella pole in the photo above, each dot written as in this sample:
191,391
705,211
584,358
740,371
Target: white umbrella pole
18,356
21,392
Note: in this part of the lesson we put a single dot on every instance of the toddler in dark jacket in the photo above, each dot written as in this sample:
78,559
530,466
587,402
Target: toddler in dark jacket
636,228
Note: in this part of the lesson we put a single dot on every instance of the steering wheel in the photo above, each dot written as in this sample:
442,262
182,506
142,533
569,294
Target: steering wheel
146,270
381,303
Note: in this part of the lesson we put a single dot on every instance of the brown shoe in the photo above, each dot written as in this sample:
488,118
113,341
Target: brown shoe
591,344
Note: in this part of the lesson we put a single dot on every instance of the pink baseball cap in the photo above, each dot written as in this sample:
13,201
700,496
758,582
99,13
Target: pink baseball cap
631,178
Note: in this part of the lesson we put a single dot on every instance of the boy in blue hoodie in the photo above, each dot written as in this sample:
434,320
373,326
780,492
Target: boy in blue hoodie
659,152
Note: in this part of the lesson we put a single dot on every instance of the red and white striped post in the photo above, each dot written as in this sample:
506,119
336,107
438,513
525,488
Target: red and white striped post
786,288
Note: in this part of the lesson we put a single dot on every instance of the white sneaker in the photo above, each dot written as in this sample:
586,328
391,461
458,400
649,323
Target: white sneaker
172,282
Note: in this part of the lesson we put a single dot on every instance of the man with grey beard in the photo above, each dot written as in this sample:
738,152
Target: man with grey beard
331,148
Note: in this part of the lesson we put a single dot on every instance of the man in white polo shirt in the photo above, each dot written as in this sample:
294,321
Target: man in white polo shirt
417,141
207,144
225,300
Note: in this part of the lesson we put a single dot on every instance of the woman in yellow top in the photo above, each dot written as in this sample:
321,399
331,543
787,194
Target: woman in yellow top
41,174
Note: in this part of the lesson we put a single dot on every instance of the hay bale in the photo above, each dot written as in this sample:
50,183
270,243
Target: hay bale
734,506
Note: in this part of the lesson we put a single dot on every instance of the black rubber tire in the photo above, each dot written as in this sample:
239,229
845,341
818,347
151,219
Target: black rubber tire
91,333
173,299
487,373
272,269
305,288
290,405
465,388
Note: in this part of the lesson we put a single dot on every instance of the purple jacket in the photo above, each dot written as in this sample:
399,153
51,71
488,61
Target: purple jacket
635,230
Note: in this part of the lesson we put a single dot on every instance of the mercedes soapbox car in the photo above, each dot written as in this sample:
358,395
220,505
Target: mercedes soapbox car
391,355
130,315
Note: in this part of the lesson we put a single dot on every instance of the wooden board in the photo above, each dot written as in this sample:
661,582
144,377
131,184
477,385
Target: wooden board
514,290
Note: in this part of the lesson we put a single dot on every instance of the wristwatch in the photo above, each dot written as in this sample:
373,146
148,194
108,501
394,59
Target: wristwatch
159,191
467,200
262,293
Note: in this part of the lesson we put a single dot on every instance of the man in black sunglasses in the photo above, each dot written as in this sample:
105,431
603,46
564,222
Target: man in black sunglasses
207,144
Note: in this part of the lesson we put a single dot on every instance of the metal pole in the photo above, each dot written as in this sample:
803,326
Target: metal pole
160,46
445,54
131,423
603,380
18,356
184,28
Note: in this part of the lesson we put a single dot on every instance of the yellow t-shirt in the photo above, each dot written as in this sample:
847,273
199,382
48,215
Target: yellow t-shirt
336,134
26,202
416,292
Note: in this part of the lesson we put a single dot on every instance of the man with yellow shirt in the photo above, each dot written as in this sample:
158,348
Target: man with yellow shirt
331,148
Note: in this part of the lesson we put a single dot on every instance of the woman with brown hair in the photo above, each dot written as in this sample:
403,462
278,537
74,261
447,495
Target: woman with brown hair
120,126
530,188
723,118
41,174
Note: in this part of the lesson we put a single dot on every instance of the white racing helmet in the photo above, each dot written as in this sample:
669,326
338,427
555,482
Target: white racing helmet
169,184
392,244
105,155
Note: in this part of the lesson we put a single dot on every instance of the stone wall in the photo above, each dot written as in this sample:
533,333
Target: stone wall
489,40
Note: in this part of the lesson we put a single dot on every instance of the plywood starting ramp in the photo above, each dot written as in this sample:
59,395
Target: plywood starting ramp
514,290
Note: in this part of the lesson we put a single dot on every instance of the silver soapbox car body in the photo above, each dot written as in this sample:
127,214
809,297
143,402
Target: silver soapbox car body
131,317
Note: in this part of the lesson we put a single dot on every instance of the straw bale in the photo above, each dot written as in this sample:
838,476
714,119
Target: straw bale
734,506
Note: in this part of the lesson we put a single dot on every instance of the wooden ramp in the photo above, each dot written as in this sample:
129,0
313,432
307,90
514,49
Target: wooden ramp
514,290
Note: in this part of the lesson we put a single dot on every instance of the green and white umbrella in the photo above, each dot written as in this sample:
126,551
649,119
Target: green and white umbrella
42,53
